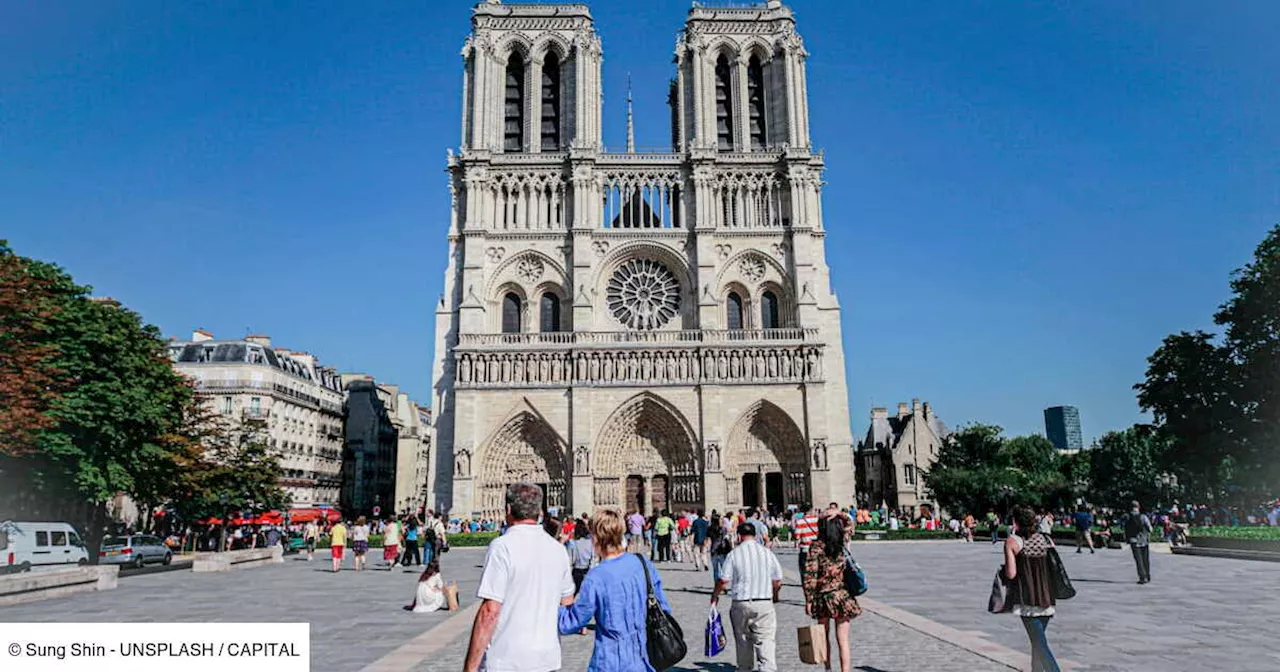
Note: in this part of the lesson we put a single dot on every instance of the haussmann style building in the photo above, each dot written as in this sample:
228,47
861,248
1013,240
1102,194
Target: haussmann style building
638,330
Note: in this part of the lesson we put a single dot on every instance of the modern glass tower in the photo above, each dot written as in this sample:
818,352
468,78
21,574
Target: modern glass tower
1062,426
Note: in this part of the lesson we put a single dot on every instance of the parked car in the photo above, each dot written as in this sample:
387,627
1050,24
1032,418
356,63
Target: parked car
134,550
25,545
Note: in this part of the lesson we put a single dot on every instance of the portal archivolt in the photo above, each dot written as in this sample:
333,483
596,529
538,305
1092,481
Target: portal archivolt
648,441
766,447
524,450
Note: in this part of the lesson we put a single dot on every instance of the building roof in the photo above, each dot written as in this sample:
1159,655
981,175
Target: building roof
245,352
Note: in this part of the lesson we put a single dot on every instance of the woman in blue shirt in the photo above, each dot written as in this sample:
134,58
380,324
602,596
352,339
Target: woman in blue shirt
615,594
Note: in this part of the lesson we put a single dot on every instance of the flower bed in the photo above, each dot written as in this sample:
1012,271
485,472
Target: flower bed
1253,533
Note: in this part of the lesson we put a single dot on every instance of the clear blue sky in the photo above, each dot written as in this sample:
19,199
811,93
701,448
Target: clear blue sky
1023,199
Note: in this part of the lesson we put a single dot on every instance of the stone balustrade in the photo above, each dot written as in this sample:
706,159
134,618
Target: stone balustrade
47,584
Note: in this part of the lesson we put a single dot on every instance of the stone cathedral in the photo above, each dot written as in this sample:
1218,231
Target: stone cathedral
638,330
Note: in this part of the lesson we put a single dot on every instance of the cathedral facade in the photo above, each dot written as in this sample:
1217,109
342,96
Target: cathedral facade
639,330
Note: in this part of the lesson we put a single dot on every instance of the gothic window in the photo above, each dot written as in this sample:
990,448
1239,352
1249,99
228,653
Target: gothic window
551,104
769,311
550,312
724,104
643,294
513,129
733,318
755,102
511,313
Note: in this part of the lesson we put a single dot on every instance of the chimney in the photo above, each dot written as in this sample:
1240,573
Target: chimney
927,411
200,336
773,4
902,411
879,413
259,339
915,405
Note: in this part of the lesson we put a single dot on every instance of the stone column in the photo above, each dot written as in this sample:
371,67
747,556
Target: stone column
533,104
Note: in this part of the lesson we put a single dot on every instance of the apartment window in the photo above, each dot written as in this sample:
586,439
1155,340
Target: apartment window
255,403
226,405
909,474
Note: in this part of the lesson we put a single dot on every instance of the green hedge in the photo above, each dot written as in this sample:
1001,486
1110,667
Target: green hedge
1255,533
476,539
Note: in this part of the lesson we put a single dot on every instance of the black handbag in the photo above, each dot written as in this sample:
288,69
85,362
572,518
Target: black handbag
665,638
1003,593
1062,588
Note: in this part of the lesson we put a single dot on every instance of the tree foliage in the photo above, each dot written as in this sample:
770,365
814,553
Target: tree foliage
978,470
106,433
29,382
1125,466
1218,402
227,468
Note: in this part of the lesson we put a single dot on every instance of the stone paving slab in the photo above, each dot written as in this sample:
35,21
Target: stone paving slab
355,617
1197,614
879,645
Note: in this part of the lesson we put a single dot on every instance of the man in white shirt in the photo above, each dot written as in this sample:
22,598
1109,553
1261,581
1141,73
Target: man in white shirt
526,578
752,576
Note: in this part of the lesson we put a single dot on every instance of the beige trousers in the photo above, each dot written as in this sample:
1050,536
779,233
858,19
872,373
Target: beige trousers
755,635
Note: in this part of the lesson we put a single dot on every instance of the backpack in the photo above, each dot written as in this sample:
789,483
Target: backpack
429,534
1132,527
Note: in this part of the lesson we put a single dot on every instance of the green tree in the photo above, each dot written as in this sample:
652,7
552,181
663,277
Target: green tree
1125,466
106,433
227,469
1251,319
1219,402
978,470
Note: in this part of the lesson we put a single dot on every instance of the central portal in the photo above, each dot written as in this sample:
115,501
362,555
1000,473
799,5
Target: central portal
767,489
646,459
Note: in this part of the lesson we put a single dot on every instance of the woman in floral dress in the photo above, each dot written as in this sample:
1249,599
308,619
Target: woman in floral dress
825,596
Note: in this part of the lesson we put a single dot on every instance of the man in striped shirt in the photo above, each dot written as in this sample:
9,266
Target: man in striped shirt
752,576
806,525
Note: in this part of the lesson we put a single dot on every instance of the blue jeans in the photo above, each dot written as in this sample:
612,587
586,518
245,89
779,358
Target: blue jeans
1041,657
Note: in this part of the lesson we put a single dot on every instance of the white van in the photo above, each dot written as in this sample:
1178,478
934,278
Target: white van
27,545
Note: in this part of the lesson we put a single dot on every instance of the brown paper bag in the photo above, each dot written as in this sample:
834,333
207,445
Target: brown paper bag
451,595
813,645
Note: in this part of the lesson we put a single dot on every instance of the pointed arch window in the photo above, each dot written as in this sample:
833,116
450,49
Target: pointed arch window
551,104
549,309
724,104
769,311
733,311
755,103
511,310
513,118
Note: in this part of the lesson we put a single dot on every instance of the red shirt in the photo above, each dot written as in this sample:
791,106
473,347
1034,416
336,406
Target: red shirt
567,528
682,525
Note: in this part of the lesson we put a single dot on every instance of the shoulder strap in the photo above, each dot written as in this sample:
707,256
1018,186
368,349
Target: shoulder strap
647,579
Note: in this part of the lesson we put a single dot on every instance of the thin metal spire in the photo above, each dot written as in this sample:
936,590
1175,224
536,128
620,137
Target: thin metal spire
631,126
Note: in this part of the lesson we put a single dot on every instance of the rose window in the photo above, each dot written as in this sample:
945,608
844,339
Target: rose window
643,294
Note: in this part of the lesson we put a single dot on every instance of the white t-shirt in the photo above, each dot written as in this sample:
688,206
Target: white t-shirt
528,572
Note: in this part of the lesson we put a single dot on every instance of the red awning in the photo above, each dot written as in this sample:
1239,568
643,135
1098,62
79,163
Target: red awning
210,521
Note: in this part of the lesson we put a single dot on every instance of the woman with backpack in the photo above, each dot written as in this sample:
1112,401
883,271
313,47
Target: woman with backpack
826,598
1026,563
721,544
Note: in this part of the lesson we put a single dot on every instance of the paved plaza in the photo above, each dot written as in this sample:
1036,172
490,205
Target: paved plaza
926,611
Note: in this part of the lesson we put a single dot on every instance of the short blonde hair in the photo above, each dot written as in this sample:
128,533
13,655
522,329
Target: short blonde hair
606,530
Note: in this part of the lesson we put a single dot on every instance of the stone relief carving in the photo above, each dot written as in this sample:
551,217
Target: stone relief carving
462,463
530,269
601,247
780,251
819,454
723,251
581,461
746,364
713,456
495,254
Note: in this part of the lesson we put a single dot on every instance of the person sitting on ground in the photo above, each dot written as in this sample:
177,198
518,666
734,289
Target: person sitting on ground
430,593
